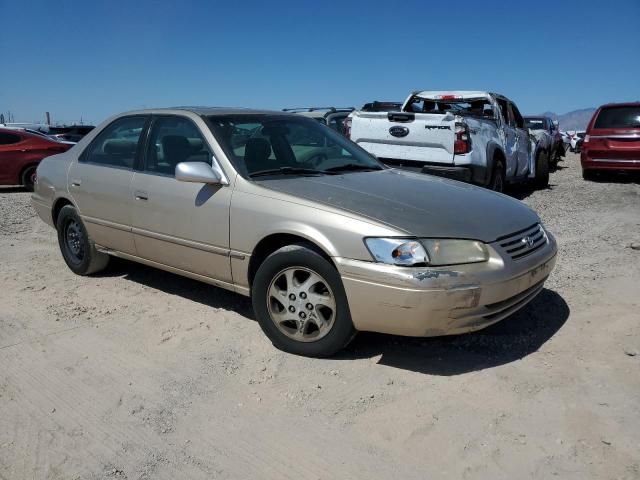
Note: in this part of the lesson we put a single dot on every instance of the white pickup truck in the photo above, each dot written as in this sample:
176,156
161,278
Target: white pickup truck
477,137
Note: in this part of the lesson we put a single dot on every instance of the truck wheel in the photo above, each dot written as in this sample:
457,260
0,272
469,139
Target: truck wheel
300,303
497,177
587,175
542,170
77,249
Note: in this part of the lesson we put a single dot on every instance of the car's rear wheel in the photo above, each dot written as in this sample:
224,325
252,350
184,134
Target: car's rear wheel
587,175
497,177
300,302
28,177
77,249
542,170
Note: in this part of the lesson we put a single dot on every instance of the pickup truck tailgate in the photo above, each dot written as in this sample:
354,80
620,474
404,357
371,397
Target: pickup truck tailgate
422,137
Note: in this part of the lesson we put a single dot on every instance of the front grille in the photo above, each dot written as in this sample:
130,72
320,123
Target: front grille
524,242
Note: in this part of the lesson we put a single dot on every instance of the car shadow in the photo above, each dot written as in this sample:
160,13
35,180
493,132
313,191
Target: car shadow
616,177
507,341
13,189
522,191
174,284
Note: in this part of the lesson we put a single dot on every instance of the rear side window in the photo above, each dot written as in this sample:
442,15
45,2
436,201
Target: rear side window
117,144
9,138
618,117
174,140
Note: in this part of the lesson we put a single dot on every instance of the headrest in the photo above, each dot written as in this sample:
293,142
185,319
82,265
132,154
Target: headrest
119,146
257,148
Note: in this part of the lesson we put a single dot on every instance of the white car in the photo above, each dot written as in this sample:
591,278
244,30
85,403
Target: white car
474,136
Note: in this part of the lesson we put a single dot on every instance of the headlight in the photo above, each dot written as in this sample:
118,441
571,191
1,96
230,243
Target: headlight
426,251
397,251
454,252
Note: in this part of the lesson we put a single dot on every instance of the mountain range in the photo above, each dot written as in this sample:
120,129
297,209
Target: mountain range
575,120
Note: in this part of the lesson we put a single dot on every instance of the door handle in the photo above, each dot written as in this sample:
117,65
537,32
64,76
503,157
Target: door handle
76,183
140,195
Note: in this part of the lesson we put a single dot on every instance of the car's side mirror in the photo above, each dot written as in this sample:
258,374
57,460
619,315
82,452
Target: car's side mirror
197,172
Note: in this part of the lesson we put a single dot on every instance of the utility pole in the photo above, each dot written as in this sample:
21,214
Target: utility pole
48,117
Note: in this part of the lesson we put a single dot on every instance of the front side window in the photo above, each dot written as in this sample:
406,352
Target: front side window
174,140
260,144
506,113
9,138
117,144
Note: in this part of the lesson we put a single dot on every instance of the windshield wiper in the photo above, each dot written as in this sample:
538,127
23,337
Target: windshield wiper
352,167
285,171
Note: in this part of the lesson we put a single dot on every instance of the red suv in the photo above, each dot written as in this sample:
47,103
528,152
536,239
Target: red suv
20,154
612,140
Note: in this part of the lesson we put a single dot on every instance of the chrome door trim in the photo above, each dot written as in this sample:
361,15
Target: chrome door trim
106,223
205,247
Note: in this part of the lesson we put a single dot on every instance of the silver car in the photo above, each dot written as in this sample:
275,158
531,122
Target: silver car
325,239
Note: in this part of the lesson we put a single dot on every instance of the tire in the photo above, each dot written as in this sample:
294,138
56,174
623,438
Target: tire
77,249
497,177
542,170
300,302
28,177
587,175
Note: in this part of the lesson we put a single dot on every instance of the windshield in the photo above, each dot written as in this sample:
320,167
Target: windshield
283,144
534,123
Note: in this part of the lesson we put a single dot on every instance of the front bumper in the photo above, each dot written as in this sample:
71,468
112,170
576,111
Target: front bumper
425,302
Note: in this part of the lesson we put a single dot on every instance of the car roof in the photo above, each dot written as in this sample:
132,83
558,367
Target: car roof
624,104
457,93
204,111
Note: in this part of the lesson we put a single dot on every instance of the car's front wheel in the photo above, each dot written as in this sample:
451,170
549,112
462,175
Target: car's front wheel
77,249
300,302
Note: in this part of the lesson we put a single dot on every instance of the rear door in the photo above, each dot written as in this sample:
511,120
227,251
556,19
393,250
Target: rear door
421,137
523,142
510,138
100,182
615,135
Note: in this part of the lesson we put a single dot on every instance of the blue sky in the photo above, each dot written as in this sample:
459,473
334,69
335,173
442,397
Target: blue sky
97,58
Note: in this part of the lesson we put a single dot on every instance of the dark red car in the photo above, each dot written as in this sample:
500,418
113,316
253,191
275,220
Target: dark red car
20,154
612,140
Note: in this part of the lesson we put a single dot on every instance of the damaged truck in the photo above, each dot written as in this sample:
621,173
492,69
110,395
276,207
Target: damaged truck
472,136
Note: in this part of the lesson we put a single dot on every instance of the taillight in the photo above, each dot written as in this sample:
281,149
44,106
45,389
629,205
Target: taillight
462,143
586,139
347,127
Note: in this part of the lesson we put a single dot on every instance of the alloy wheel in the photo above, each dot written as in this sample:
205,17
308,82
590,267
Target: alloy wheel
301,304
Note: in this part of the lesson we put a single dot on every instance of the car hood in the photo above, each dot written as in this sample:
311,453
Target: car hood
418,204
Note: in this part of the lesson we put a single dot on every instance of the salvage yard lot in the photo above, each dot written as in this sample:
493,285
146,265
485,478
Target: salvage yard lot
138,373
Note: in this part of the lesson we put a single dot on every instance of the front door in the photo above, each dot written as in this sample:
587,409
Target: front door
510,139
180,224
100,182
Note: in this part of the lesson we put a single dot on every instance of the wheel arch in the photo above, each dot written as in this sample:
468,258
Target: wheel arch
494,153
57,205
24,169
274,241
